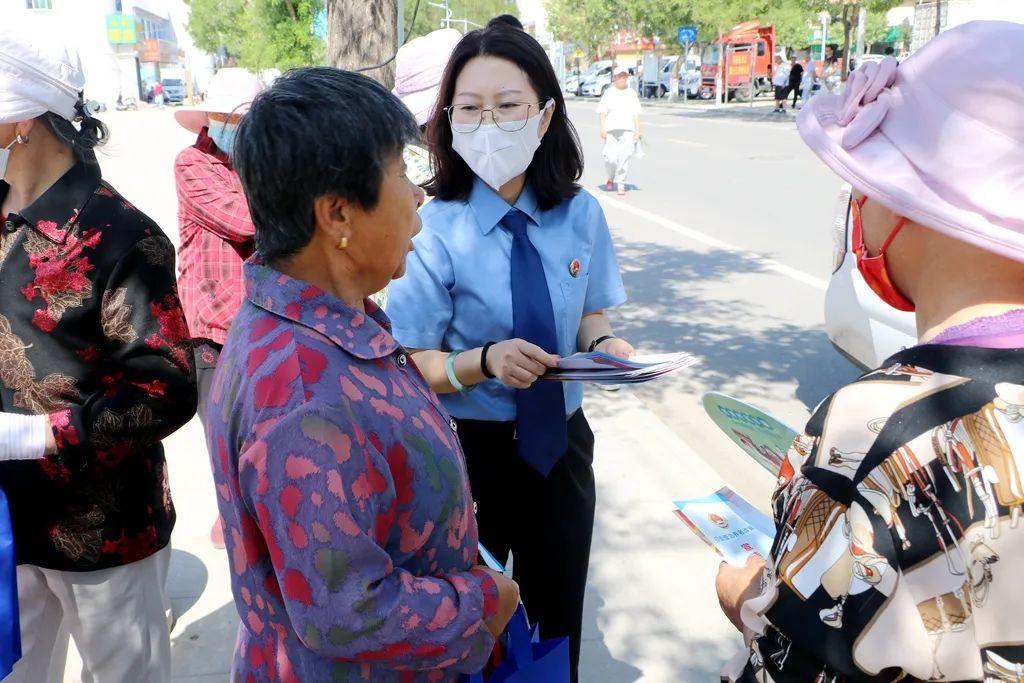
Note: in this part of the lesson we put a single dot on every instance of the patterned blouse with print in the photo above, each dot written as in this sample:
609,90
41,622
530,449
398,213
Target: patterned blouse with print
347,513
900,543
92,333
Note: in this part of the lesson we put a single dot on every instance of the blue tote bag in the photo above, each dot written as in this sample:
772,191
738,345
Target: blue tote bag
526,658
10,630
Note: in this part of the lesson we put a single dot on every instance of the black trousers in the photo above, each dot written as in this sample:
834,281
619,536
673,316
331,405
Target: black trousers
547,522
206,354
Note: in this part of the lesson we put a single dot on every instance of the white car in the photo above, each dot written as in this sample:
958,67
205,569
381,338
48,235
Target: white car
861,326
596,83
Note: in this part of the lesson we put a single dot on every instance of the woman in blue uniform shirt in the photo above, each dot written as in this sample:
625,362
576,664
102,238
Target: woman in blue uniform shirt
513,270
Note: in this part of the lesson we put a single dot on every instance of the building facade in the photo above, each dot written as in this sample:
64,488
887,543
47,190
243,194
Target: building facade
956,12
125,45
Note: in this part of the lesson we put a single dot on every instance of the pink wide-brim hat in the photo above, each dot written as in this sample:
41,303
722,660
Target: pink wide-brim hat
939,138
419,67
231,90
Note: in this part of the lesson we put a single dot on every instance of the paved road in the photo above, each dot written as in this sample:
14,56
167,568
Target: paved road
725,250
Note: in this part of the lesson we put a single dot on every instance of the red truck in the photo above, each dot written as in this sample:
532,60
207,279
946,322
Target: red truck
747,44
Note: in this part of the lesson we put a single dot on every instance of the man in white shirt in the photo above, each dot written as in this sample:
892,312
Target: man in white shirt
620,128
780,79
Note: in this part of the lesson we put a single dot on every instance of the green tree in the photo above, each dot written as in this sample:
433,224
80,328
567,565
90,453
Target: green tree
259,34
588,24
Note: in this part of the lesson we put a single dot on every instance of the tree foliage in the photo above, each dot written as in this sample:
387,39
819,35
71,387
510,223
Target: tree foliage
259,34
590,24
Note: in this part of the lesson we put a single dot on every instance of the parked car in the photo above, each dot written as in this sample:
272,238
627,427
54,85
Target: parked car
861,326
595,85
573,81
689,77
174,90
597,82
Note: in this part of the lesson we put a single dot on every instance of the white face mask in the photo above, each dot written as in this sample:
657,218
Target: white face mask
495,155
5,156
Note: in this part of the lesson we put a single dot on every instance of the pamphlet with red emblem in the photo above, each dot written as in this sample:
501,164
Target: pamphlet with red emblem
729,524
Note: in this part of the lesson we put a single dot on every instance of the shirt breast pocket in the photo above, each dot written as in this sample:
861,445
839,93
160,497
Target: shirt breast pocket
574,295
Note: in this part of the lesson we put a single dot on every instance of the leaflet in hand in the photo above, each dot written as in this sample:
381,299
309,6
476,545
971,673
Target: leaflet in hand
729,524
602,368
761,436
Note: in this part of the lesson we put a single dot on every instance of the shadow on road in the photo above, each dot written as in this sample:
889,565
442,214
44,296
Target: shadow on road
758,113
689,304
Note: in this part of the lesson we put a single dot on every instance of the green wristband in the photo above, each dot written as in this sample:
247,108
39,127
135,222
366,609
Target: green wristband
449,366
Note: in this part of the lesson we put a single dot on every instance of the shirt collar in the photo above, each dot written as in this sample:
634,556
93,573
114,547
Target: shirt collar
56,211
490,208
363,335
205,144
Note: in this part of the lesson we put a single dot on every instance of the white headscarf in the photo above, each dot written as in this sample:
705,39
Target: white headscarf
39,73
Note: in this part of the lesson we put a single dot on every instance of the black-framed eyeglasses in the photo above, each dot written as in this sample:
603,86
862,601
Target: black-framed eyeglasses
508,116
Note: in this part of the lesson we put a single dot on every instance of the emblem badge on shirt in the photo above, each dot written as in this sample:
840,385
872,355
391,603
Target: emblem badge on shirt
574,267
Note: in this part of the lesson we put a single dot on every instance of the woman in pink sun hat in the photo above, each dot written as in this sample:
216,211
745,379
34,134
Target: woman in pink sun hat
899,541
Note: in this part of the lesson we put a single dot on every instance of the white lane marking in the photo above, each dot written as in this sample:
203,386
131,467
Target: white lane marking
714,242
689,143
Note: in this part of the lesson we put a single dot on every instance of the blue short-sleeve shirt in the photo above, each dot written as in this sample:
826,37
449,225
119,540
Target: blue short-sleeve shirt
457,291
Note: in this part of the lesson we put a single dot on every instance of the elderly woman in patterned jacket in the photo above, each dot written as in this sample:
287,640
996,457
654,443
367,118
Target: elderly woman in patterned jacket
348,520
899,545
94,371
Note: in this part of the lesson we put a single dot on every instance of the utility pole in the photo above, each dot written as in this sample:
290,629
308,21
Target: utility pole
938,17
361,34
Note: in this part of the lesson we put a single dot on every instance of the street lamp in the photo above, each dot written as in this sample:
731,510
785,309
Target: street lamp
447,12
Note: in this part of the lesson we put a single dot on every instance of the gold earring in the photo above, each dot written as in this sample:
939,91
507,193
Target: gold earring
343,243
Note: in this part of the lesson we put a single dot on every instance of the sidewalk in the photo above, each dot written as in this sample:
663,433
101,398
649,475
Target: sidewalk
651,611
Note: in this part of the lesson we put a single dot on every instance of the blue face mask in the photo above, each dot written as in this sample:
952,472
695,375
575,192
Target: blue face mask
223,135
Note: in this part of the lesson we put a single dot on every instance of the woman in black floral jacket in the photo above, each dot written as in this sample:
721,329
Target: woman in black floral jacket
94,372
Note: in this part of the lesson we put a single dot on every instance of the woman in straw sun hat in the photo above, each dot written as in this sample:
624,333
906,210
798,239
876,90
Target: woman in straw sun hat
900,544
213,224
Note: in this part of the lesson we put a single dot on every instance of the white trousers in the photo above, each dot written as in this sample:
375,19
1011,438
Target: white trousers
618,151
116,617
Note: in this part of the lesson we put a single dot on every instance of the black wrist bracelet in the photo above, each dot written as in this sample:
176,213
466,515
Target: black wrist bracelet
483,360
600,340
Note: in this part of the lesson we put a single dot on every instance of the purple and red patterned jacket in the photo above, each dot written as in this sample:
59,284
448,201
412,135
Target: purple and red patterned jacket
347,514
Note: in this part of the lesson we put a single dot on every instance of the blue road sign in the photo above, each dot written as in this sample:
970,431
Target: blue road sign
687,34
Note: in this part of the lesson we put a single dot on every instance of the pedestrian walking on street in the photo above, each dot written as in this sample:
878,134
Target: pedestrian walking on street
808,81
780,79
96,371
619,110
900,547
349,518
796,75
158,94
214,226
514,269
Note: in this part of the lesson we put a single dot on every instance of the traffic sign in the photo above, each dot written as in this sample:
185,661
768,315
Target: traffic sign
686,34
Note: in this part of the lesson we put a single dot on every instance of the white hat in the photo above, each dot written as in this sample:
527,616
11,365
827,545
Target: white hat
39,73
231,91
419,66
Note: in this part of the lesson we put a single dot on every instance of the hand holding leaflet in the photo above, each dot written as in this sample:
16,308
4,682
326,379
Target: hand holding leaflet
730,525
602,368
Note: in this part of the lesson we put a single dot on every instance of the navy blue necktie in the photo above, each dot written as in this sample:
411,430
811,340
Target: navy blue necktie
540,410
